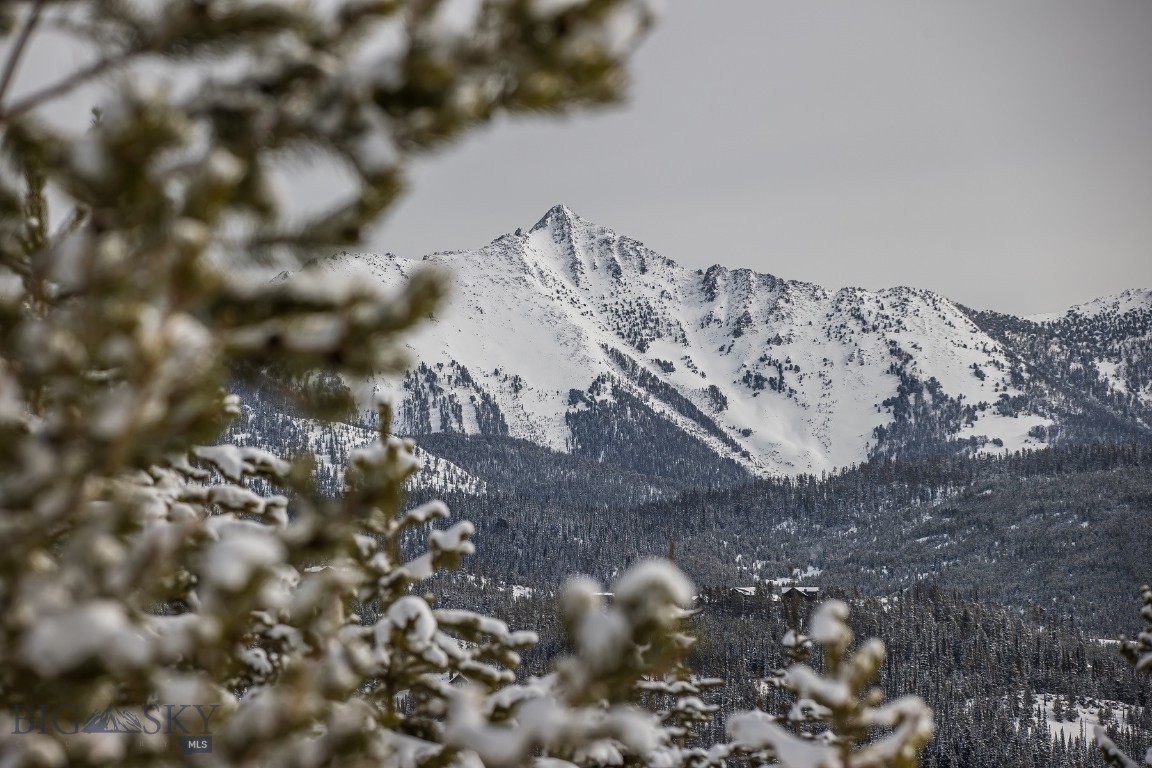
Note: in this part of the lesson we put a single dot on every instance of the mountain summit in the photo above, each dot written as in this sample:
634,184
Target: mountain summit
558,217
585,341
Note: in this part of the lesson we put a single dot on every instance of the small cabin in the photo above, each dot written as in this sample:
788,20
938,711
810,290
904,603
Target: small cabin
808,593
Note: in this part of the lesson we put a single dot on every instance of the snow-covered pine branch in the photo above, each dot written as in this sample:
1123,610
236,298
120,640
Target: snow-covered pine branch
843,701
145,567
1139,653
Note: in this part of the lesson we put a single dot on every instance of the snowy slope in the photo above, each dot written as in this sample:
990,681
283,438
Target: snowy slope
1132,300
548,329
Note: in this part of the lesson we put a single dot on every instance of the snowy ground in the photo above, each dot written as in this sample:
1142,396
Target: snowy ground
1086,716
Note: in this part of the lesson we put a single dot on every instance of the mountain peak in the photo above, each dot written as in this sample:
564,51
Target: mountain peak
558,216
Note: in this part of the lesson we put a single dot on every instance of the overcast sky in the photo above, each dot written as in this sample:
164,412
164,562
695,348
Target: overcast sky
999,153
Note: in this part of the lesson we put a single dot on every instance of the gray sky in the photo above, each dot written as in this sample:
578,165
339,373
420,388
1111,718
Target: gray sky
999,153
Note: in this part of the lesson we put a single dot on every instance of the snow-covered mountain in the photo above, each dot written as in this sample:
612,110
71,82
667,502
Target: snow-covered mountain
1132,300
584,341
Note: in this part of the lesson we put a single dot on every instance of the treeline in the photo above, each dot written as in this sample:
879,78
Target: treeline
1061,531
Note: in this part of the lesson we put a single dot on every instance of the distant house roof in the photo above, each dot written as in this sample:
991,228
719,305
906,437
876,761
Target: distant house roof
806,591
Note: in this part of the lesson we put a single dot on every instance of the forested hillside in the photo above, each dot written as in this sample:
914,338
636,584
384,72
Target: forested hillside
1059,532
1089,368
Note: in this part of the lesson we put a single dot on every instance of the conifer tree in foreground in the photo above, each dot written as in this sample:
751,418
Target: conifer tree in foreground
840,703
151,588
141,568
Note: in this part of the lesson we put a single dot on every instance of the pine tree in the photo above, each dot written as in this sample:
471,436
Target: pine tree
1139,653
143,565
839,699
